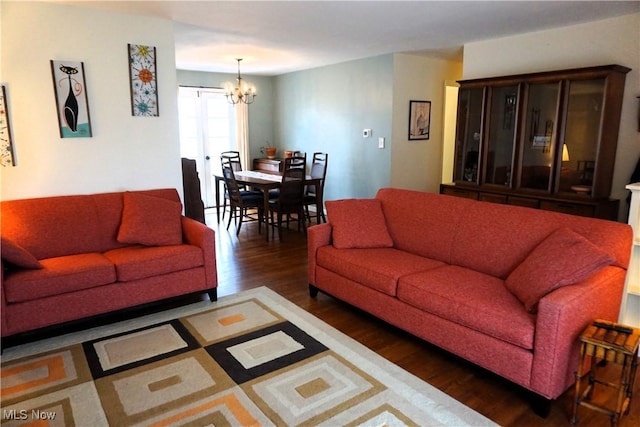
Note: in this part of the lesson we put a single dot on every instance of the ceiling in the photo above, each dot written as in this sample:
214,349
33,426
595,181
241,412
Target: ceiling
276,37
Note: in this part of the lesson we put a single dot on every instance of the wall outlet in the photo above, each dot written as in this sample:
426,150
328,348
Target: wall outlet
381,142
366,133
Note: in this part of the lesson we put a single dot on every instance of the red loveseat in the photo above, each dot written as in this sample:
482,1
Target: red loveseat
70,257
505,287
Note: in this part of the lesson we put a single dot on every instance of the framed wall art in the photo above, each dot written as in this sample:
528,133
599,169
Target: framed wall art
72,104
419,119
7,157
142,74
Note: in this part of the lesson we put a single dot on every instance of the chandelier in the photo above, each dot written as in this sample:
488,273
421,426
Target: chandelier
242,92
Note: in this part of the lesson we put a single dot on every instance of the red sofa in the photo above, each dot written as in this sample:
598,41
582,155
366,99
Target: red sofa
505,287
70,257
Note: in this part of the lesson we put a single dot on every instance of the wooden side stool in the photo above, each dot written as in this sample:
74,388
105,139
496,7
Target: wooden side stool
603,342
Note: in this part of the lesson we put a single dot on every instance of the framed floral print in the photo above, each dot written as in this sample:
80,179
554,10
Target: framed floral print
142,74
7,157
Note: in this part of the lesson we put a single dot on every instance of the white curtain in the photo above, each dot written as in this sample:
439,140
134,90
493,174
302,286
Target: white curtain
242,134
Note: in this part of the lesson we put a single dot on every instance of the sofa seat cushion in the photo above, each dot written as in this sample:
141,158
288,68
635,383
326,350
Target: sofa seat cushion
139,262
378,268
59,275
471,299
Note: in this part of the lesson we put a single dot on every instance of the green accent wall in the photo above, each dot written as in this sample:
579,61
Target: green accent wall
327,108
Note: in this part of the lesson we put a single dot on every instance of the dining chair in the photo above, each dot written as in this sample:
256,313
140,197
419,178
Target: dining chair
313,195
193,204
298,160
289,199
241,201
293,162
231,158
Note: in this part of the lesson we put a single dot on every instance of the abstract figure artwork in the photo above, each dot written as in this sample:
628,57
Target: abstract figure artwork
6,145
142,74
71,99
419,119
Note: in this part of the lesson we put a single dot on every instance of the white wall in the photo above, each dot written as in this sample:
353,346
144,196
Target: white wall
417,164
125,152
609,41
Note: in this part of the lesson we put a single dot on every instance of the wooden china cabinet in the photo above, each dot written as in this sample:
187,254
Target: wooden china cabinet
542,140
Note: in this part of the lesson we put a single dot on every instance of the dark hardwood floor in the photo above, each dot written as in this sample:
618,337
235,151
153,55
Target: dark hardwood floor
248,261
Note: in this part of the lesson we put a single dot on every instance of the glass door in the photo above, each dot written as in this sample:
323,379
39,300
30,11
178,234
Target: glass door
206,130
468,134
581,134
502,126
539,137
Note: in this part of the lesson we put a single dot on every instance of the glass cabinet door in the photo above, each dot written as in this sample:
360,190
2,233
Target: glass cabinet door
581,135
538,139
502,124
468,134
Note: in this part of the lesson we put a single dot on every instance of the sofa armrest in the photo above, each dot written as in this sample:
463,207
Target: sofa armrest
198,234
317,236
562,316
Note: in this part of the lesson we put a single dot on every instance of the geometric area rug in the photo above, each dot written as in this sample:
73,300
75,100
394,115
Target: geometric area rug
248,359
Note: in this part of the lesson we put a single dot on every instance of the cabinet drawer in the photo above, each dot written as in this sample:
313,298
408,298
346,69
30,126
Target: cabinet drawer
269,165
569,208
524,201
458,192
493,198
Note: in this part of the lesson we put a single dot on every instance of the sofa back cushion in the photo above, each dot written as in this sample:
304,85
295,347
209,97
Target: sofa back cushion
422,223
65,225
494,238
52,226
487,237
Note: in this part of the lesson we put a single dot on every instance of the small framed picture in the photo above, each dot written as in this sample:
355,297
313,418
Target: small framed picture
142,74
72,104
419,119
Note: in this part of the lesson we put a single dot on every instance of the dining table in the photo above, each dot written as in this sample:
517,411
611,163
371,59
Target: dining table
264,181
